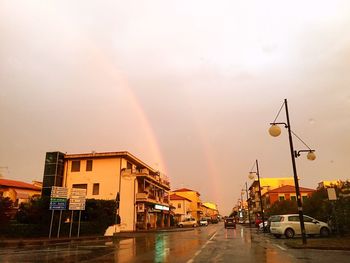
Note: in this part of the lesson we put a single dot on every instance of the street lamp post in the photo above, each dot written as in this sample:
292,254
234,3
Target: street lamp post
251,176
246,189
275,131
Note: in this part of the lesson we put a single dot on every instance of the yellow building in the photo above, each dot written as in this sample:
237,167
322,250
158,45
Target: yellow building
266,184
210,210
143,191
196,203
331,183
182,207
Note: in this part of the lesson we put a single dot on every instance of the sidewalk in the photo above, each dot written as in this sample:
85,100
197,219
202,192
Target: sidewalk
42,241
331,243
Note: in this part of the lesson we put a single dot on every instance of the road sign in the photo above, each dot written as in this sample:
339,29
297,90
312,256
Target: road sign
59,192
58,199
77,199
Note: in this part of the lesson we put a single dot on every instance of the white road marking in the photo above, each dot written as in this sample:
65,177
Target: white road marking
282,248
200,250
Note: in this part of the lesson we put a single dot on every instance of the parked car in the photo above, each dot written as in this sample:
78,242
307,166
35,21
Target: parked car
289,225
267,224
230,222
203,222
188,222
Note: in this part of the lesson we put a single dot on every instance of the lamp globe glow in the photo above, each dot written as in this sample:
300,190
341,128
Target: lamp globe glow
251,176
275,130
311,156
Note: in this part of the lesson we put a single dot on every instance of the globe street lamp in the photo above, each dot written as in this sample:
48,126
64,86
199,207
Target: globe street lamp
252,176
275,131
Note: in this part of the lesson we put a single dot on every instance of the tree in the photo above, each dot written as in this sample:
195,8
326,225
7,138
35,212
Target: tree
282,207
5,208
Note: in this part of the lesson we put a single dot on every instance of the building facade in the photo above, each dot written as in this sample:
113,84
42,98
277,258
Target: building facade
196,203
143,191
19,192
182,207
286,192
266,184
210,210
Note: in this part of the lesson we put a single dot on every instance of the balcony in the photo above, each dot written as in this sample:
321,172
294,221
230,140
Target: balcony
155,178
150,198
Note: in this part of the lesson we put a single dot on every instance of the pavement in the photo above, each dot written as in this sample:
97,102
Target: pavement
331,243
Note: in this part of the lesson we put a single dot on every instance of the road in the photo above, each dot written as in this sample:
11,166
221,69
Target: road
205,244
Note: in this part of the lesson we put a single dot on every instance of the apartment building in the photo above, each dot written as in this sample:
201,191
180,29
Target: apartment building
196,204
143,190
182,207
266,184
210,210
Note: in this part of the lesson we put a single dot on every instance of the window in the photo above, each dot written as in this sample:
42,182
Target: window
293,218
81,186
304,198
88,165
307,219
96,189
178,205
293,198
75,166
281,198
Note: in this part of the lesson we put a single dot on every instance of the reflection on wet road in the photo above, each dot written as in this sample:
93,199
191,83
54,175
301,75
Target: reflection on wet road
206,244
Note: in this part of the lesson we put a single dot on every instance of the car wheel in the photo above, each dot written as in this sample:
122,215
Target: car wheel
324,232
289,233
277,236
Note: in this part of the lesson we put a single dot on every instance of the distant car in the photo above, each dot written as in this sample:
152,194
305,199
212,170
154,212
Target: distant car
289,225
203,222
188,222
214,221
230,222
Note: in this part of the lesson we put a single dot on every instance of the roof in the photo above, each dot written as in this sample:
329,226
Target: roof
177,197
18,184
185,190
124,154
289,189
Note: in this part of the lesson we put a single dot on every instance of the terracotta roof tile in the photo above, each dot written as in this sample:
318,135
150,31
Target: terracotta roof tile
18,184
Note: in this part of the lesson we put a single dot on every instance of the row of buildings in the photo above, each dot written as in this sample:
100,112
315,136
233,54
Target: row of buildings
273,190
145,197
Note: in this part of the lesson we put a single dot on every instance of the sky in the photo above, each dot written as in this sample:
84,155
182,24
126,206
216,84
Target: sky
189,87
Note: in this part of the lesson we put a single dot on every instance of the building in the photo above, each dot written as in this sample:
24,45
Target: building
143,190
196,203
286,192
266,184
19,192
182,207
331,183
210,210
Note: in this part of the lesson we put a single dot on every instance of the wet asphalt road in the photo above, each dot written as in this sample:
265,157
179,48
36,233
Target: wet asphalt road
205,244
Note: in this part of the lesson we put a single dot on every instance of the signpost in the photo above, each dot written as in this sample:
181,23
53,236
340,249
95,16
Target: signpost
58,201
77,201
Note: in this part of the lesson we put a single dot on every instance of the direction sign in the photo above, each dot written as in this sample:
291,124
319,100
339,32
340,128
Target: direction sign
77,199
59,192
58,199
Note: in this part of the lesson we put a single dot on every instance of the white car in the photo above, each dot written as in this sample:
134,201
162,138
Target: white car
203,222
190,222
289,225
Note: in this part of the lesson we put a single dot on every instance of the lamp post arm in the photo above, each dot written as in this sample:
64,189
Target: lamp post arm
260,198
296,182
